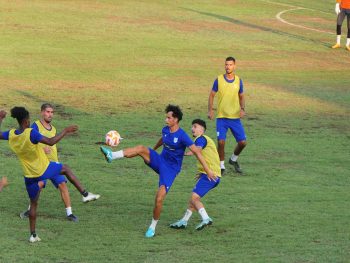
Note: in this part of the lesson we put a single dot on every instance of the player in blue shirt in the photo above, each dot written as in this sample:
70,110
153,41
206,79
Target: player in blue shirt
168,163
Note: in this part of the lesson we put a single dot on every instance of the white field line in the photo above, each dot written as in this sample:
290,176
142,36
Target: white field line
279,18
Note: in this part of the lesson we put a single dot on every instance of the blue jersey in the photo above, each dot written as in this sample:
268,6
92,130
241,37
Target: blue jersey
174,146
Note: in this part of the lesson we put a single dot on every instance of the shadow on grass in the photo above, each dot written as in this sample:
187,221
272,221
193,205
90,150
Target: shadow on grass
258,27
64,112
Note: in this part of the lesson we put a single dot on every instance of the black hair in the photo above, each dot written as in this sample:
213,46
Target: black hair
177,113
19,113
231,59
45,106
200,122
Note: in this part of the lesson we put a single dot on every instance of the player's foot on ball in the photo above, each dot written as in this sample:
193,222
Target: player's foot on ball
179,224
107,154
236,166
90,197
34,238
204,223
150,232
347,48
72,218
336,46
24,214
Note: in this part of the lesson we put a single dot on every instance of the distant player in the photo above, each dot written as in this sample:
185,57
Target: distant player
44,127
231,108
3,183
342,9
168,163
204,185
37,169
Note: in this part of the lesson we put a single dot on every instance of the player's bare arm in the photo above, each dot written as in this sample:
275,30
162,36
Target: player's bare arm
210,105
58,137
242,104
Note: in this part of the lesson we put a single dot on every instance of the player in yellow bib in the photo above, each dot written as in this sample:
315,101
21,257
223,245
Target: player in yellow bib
208,149
230,110
44,127
37,169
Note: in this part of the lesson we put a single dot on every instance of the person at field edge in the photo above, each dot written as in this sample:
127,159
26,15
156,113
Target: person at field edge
342,9
230,110
3,183
45,127
208,149
167,164
24,142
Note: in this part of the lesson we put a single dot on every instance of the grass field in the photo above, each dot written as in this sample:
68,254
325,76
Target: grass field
116,65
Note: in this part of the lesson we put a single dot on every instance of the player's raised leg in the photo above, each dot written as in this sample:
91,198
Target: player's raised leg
87,196
139,150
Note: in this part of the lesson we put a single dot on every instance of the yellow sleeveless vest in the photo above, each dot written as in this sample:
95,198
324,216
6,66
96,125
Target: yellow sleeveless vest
211,157
53,157
32,157
228,98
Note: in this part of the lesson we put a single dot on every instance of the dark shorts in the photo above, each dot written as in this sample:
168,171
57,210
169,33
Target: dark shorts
167,175
235,126
204,185
53,173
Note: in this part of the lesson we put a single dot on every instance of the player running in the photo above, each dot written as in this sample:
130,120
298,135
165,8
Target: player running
342,9
231,108
168,163
208,149
24,142
45,127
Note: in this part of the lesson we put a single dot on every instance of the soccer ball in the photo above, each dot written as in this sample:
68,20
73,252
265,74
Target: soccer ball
112,138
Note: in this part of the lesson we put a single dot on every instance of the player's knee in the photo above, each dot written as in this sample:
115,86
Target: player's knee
65,169
242,144
140,148
221,143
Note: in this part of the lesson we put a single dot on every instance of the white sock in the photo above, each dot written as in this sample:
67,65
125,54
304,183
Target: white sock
153,224
234,157
117,155
187,215
222,164
203,213
348,42
28,207
68,211
338,39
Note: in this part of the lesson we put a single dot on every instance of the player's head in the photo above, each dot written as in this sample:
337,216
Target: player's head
47,111
173,115
198,127
21,115
230,65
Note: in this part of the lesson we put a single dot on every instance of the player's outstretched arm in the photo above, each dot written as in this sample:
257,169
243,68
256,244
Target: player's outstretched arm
58,137
197,152
158,144
3,183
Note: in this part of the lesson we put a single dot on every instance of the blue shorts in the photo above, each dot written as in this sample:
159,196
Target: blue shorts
53,172
235,125
204,185
167,175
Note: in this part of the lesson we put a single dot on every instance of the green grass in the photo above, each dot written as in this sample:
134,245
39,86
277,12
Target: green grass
117,64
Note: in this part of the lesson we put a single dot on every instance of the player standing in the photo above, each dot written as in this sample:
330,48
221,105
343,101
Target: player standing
24,142
208,149
342,9
231,108
167,164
